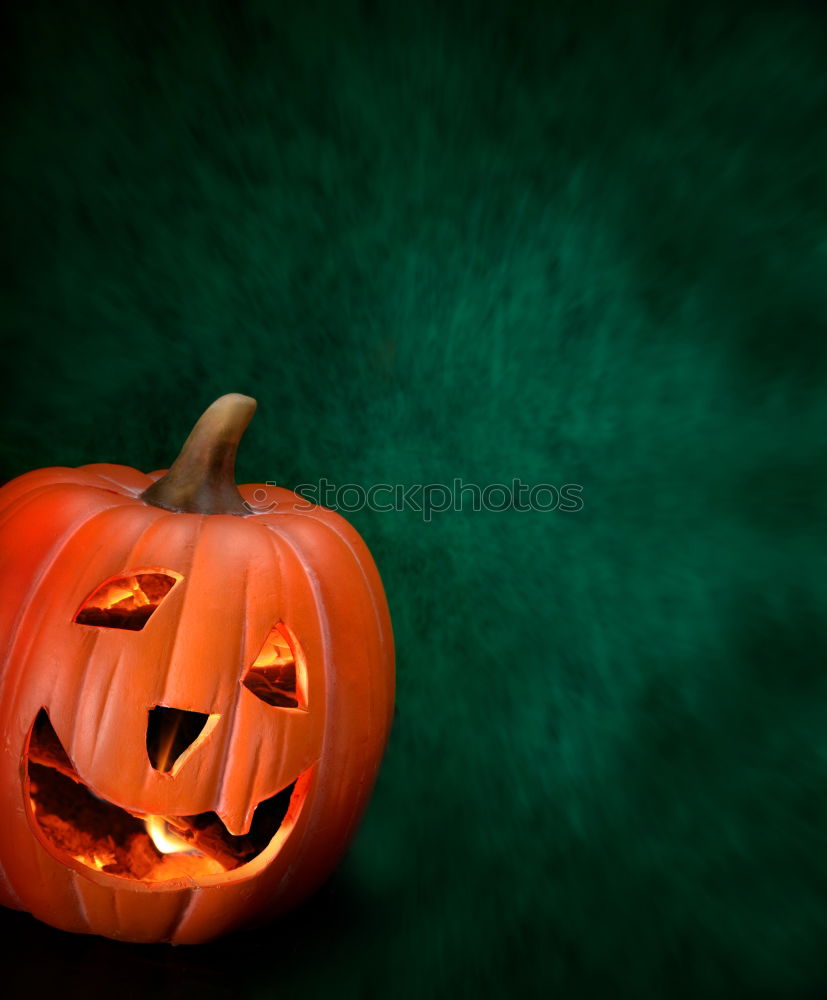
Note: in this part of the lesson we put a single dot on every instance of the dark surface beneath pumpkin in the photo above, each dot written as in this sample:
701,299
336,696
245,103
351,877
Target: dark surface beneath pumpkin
575,241
79,822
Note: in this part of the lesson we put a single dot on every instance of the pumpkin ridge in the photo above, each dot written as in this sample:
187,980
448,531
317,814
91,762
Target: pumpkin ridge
74,881
95,469
143,530
359,560
221,780
313,584
37,492
165,520
27,602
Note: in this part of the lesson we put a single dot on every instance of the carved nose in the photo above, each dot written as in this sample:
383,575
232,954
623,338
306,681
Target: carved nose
170,732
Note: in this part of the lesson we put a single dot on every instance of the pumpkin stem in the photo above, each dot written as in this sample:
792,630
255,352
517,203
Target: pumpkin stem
202,479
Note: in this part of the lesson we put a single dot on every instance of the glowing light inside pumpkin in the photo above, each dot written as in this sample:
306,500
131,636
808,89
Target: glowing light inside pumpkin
103,837
127,601
276,651
96,861
278,675
162,837
190,860
157,848
156,826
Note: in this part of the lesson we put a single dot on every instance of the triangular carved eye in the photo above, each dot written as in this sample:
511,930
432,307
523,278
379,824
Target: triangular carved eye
278,674
127,601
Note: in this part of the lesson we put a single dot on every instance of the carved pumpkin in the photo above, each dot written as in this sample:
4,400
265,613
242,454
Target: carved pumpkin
194,696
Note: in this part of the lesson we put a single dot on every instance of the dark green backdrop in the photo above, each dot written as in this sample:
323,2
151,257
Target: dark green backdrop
569,242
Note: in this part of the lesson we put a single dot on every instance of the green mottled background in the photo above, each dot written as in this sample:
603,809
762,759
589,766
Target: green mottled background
572,242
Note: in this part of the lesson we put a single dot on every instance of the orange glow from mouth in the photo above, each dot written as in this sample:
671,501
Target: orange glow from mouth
97,834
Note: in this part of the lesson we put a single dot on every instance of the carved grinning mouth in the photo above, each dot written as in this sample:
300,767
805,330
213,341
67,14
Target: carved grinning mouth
104,837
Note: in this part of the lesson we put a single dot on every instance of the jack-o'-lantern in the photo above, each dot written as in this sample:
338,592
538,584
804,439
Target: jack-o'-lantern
196,688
